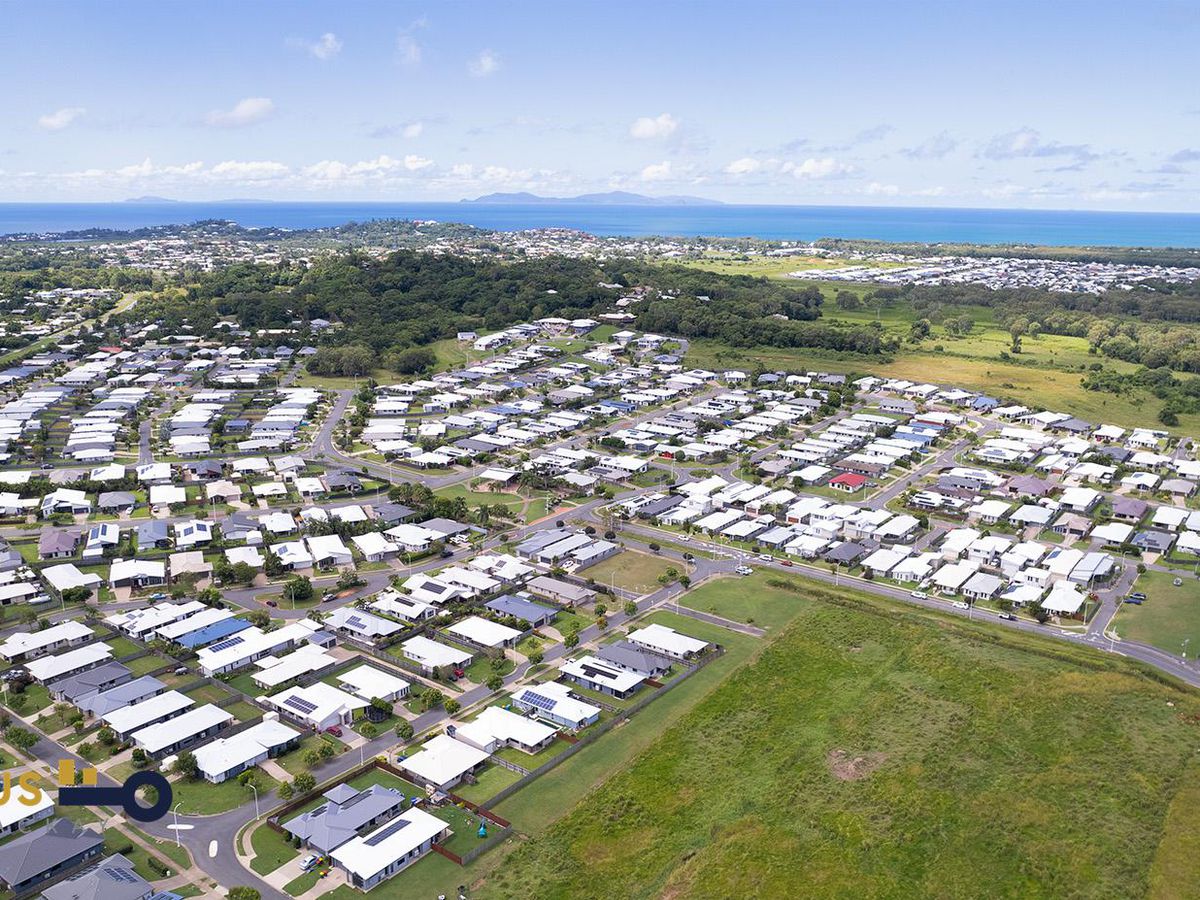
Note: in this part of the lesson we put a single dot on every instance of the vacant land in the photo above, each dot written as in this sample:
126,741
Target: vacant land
1168,618
752,599
631,570
874,750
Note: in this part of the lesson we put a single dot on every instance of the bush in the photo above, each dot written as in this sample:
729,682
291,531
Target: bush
285,791
452,706
368,730
404,730
157,865
304,782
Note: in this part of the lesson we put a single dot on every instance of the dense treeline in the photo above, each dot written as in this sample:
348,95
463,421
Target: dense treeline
386,310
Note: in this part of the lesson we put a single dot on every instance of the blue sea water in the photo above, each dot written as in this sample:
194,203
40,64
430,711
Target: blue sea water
977,226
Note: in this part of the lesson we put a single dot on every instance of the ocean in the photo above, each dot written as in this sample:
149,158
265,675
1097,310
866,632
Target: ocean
797,223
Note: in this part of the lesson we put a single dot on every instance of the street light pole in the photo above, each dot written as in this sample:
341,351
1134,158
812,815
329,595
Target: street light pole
250,784
175,813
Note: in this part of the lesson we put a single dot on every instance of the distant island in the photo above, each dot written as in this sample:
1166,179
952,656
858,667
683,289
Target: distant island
150,198
610,198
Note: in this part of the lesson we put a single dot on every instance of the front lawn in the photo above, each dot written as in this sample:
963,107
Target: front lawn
271,849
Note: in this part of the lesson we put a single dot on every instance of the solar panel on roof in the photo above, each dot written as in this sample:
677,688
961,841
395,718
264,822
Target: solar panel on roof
226,644
305,706
538,700
386,833
123,875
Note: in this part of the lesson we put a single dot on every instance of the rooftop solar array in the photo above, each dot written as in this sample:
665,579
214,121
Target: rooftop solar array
226,644
116,873
386,833
538,700
305,706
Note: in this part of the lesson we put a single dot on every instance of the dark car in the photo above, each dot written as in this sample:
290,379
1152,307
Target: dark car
1138,595
272,603
786,562
1136,601
446,554
335,730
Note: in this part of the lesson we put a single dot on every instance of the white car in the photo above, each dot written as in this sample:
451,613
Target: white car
309,862
744,570
959,604
919,595
765,557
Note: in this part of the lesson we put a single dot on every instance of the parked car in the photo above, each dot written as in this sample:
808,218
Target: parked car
181,670
959,604
272,603
1008,617
765,557
1138,595
744,570
1136,601
919,595
786,562
446,554
309,862
335,730
459,673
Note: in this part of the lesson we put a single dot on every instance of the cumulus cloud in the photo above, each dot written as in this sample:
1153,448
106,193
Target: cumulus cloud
250,170
1187,155
815,168
407,130
876,189
654,128
326,47
485,64
939,146
1026,143
657,172
245,112
60,118
745,166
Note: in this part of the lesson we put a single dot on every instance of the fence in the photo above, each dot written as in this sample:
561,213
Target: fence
602,729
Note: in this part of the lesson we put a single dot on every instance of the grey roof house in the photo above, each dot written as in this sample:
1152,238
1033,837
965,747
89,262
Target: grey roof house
347,814
41,855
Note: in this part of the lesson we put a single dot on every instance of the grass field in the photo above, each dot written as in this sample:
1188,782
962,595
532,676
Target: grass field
200,798
973,363
1169,617
631,570
271,850
876,750
746,599
527,509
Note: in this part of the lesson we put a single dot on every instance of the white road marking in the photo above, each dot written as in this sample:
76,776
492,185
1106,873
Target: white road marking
212,849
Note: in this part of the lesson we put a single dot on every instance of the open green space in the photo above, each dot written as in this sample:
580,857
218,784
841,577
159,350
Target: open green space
123,646
201,798
143,665
751,599
632,570
876,750
488,783
116,840
209,693
302,884
1168,618
243,710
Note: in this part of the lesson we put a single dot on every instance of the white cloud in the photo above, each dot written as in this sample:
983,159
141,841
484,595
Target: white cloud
882,190
250,170
935,191
327,46
245,112
408,50
413,130
657,172
936,147
744,166
654,128
817,168
60,118
485,64
1026,143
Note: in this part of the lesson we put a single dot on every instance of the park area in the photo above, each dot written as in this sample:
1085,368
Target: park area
1170,616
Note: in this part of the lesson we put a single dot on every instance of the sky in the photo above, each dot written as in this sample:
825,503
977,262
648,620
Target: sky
1066,105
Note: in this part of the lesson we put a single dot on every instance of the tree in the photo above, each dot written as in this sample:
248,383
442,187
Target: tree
382,705
431,698
368,730
452,706
1005,604
106,736
847,300
571,639
630,608
600,608
1041,614
495,682
243,893
404,730
685,580
297,589
20,738
285,791
76,594
304,782
536,657
246,778
186,765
